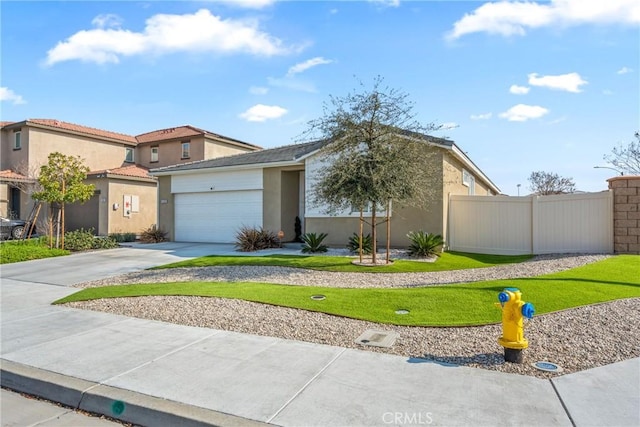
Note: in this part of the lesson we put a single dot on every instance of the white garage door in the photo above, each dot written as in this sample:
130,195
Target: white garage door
216,217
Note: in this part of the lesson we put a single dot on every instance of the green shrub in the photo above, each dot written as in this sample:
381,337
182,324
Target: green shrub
250,239
123,237
354,244
83,240
424,244
153,234
313,243
79,240
25,250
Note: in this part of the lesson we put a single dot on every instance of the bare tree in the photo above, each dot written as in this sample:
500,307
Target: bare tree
626,158
545,183
378,154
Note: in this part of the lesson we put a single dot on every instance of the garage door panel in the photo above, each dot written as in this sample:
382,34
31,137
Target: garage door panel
216,217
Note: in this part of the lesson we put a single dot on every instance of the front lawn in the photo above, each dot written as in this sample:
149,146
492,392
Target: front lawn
450,305
448,261
25,250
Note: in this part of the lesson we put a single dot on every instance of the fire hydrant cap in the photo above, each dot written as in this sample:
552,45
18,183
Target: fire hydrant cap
503,297
528,310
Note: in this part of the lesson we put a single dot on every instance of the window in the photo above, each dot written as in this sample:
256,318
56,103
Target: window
17,140
128,155
380,210
186,150
470,181
154,154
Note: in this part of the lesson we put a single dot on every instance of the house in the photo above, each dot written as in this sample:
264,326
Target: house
209,200
125,199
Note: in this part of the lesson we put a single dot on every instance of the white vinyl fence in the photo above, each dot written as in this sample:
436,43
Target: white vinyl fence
566,223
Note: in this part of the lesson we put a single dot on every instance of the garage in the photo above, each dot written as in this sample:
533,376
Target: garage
216,216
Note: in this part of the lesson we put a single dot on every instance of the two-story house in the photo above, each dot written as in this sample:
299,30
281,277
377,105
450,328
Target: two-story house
125,198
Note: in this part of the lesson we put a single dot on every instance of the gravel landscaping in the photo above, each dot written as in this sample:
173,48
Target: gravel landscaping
576,339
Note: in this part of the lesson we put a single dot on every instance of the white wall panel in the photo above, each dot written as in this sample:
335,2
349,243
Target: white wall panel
217,181
536,224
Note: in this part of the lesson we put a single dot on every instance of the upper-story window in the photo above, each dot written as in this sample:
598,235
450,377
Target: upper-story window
186,150
154,154
17,140
470,181
128,155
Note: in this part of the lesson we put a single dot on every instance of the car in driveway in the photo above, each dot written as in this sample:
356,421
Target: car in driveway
12,228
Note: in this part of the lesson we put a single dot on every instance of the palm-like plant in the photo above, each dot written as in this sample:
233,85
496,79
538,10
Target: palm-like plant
313,243
354,244
424,244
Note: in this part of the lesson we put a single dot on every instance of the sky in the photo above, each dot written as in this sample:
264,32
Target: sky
519,86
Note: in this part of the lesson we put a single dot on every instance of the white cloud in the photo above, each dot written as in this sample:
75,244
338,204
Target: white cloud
624,70
258,90
607,92
484,116
197,32
523,112
8,95
247,4
519,90
568,82
558,120
261,113
309,63
389,3
508,18
108,20
448,126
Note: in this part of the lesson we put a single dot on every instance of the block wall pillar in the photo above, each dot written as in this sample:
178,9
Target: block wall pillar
626,214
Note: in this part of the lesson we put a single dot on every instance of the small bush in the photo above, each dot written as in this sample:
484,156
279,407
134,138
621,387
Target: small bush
313,243
25,250
83,240
424,244
153,234
354,244
250,239
123,237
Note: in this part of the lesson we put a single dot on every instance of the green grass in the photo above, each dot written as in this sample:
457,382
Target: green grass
25,250
451,305
448,261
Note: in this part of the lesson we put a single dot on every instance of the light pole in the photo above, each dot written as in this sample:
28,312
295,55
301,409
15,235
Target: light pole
518,189
607,167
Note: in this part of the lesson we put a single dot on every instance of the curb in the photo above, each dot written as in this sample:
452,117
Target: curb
121,404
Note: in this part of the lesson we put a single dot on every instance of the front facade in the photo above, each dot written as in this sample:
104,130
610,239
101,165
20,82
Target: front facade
210,201
118,163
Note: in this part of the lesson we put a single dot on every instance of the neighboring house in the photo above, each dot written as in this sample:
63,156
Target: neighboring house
208,201
126,195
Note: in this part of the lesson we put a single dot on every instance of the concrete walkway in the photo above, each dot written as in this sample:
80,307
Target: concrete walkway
155,374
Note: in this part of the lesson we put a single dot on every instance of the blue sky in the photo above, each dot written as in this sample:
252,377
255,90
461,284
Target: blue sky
520,86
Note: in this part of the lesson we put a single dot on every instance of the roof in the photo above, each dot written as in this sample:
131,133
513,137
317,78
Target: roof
57,124
132,171
154,136
287,153
9,175
185,131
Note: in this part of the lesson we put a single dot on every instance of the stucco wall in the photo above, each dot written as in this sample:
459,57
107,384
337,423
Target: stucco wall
166,206
170,152
213,149
4,200
97,155
138,221
271,196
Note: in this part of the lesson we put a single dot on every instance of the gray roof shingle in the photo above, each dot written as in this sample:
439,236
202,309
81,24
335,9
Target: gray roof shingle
287,153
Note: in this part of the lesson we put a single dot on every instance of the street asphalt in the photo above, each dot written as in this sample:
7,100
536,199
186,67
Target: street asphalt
160,374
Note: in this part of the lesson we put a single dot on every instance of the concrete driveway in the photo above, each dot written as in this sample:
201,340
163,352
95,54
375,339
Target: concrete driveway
155,373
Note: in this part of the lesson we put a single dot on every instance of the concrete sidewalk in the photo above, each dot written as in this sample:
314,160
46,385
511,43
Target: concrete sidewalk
154,373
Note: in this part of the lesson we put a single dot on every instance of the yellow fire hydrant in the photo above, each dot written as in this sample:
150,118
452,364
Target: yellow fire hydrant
514,311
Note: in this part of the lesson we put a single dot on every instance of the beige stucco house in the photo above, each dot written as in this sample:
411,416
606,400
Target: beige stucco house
125,198
209,200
